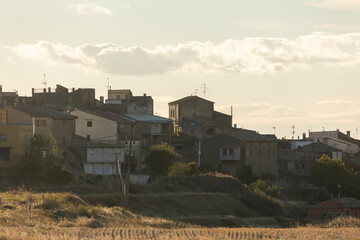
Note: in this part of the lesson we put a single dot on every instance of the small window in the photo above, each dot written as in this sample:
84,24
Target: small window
88,137
224,152
89,124
231,151
43,123
3,137
37,124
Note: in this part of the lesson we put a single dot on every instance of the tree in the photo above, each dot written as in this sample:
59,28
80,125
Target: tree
329,173
45,146
245,173
159,158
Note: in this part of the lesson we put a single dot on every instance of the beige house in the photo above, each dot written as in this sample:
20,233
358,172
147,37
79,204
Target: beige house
14,138
45,121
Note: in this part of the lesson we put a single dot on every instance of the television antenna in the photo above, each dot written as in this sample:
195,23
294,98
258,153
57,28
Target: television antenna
108,83
293,131
45,83
274,130
204,89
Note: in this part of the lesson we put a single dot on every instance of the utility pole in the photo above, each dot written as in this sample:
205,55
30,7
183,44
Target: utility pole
127,186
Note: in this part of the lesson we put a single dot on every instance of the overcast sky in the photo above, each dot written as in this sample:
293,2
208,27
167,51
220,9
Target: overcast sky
279,63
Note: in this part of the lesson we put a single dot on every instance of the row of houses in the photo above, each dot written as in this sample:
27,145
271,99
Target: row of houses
99,131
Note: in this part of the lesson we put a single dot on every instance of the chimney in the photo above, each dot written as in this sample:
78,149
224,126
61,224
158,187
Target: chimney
144,94
73,89
44,90
49,89
348,133
304,136
102,99
235,125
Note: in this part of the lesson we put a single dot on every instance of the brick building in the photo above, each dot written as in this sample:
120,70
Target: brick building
346,206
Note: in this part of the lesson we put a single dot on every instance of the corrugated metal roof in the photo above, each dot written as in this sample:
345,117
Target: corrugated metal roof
45,112
148,118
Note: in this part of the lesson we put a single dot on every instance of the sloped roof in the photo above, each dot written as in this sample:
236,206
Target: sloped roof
148,118
249,135
188,98
45,112
319,147
108,115
344,201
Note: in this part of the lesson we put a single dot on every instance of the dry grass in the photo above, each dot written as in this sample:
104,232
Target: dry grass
174,234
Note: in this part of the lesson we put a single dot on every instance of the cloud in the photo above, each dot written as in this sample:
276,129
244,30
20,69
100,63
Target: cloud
347,5
248,56
91,8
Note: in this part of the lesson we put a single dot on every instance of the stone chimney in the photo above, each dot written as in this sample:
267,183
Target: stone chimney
144,94
304,136
101,99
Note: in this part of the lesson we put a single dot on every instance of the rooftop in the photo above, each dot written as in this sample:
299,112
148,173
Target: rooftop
45,112
108,115
250,135
148,118
188,98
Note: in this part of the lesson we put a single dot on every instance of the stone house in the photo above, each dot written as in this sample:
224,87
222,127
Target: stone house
227,150
201,110
45,121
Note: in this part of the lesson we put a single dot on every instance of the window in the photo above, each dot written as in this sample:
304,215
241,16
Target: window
89,123
224,152
88,137
37,124
231,151
3,137
42,123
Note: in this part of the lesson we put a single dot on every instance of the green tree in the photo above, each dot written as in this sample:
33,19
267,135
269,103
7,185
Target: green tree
159,158
260,185
329,173
183,169
245,173
45,146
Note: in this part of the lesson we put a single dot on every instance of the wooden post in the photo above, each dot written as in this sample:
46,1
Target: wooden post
127,182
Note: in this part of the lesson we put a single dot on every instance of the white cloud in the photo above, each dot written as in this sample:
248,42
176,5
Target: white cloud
248,56
91,8
347,5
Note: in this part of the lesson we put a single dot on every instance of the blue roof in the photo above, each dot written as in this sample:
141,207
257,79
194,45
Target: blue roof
148,118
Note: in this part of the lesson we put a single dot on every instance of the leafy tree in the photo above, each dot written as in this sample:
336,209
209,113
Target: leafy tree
183,169
45,144
329,173
159,158
245,173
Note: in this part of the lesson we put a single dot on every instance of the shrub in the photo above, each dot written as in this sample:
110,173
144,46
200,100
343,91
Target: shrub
183,169
159,158
260,185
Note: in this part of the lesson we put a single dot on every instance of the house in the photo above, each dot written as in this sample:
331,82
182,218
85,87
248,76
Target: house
45,121
13,99
15,138
151,129
346,206
102,126
122,101
298,161
227,150
61,96
337,140
200,110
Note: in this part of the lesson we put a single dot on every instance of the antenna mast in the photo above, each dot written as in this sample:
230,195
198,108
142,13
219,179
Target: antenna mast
274,130
196,92
204,89
108,83
45,83
293,131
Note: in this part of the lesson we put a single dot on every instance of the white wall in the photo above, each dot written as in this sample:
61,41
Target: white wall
104,154
102,128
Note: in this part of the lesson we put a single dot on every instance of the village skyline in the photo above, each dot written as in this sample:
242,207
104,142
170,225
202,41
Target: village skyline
279,63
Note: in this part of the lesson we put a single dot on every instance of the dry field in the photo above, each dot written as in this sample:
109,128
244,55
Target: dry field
188,233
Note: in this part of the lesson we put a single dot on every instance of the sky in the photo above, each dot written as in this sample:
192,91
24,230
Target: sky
279,63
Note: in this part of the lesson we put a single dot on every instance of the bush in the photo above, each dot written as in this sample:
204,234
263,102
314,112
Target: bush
183,169
260,185
159,158
245,173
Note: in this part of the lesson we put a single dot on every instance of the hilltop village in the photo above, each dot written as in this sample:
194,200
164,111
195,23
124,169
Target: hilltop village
102,136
